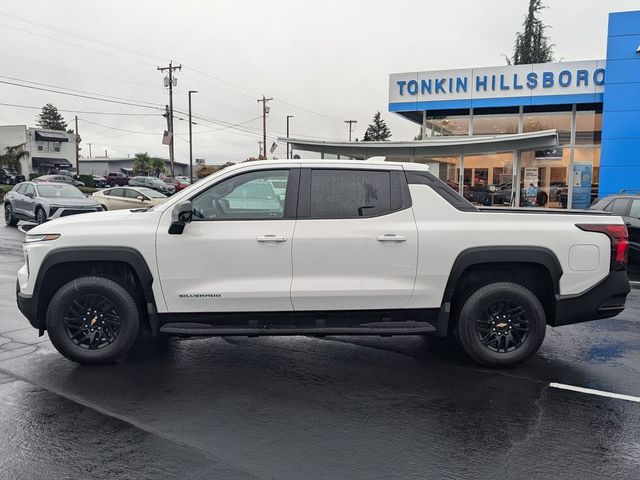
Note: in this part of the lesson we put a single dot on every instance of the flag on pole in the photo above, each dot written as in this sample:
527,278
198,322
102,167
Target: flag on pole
166,137
273,147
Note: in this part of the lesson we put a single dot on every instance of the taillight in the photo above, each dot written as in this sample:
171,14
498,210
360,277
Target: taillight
619,242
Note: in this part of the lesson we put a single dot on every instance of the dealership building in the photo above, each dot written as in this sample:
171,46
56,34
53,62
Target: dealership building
568,129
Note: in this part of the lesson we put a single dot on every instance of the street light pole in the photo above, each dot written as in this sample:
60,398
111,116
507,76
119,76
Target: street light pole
288,117
190,139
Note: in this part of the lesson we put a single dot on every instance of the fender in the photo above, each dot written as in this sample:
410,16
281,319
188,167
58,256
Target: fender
127,255
495,254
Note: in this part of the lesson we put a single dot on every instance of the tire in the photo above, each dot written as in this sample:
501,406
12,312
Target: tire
41,216
517,331
110,301
112,184
104,207
9,219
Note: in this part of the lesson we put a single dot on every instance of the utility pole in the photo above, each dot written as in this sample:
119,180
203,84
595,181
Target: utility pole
77,149
265,110
288,117
259,148
167,115
350,122
170,68
190,139
89,149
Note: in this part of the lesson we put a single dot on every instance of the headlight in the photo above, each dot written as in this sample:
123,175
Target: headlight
41,238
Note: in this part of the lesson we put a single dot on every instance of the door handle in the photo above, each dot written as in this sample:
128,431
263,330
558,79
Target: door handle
272,238
391,237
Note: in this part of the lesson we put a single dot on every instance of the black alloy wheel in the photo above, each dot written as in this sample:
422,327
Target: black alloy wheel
503,326
92,321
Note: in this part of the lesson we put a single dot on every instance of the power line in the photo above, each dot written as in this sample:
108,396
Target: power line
77,71
118,129
75,45
222,128
73,34
77,95
74,90
80,111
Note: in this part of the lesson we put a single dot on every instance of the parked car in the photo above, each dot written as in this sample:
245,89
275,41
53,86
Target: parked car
117,178
184,179
628,207
9,176
99,182
355,248
152,182
118,198
59,179
178,183
39,202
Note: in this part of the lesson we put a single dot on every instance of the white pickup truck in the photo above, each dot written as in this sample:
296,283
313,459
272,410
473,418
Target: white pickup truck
321,247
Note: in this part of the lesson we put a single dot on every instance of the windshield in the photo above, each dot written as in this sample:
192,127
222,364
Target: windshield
10,171
151,193
59,191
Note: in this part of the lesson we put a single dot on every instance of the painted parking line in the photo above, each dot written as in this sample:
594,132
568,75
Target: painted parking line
591,391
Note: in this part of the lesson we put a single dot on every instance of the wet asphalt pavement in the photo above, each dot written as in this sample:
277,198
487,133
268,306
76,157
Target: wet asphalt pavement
333,408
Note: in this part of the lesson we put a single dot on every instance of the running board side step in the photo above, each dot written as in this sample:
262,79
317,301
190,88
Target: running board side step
203,329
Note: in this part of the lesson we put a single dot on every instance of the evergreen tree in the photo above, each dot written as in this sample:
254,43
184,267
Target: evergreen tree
52,119
377,131
532,44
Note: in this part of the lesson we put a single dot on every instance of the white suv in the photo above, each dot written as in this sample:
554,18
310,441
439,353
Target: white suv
345,247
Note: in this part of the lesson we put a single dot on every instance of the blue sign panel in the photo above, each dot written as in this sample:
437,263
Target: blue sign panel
581,184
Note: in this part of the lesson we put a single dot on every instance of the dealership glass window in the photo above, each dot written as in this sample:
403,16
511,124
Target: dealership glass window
589,127
560,121
495,124
447,125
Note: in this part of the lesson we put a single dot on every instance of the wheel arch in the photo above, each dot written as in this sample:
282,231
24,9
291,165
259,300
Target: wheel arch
62,265
536,268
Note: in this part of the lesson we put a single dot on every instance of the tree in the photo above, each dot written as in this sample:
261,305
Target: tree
52,119
142,164
377,131
532,44
157,166
12,156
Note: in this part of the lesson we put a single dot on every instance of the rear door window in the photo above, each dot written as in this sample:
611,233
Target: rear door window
635,209
619,206
341,193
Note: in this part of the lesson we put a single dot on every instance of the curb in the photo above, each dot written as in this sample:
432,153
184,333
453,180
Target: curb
635,285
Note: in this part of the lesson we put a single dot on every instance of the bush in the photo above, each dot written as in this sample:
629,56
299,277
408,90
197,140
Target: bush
33,175
88,190
87,180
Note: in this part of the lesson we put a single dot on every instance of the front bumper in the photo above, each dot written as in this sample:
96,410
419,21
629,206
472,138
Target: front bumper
28,305
604,300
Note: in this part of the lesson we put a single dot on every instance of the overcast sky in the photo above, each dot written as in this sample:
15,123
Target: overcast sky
323,62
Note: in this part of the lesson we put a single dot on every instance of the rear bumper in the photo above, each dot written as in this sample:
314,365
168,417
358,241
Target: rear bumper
604,300
28,305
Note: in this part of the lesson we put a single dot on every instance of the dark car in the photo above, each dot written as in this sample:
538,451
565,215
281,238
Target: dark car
117,178
628,207
59,179
9,176
152,182
99,182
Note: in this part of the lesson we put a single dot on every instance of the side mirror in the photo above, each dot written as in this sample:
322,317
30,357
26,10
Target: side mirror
30,195
140,197
180,216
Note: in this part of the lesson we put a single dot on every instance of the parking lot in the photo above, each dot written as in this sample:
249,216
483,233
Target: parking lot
332,408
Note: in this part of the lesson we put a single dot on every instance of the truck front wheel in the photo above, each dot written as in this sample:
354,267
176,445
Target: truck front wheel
501,324
93,320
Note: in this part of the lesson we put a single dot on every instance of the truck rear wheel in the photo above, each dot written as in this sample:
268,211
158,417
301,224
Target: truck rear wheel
93,320
501,324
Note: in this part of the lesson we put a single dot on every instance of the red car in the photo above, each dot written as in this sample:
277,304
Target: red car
178,184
